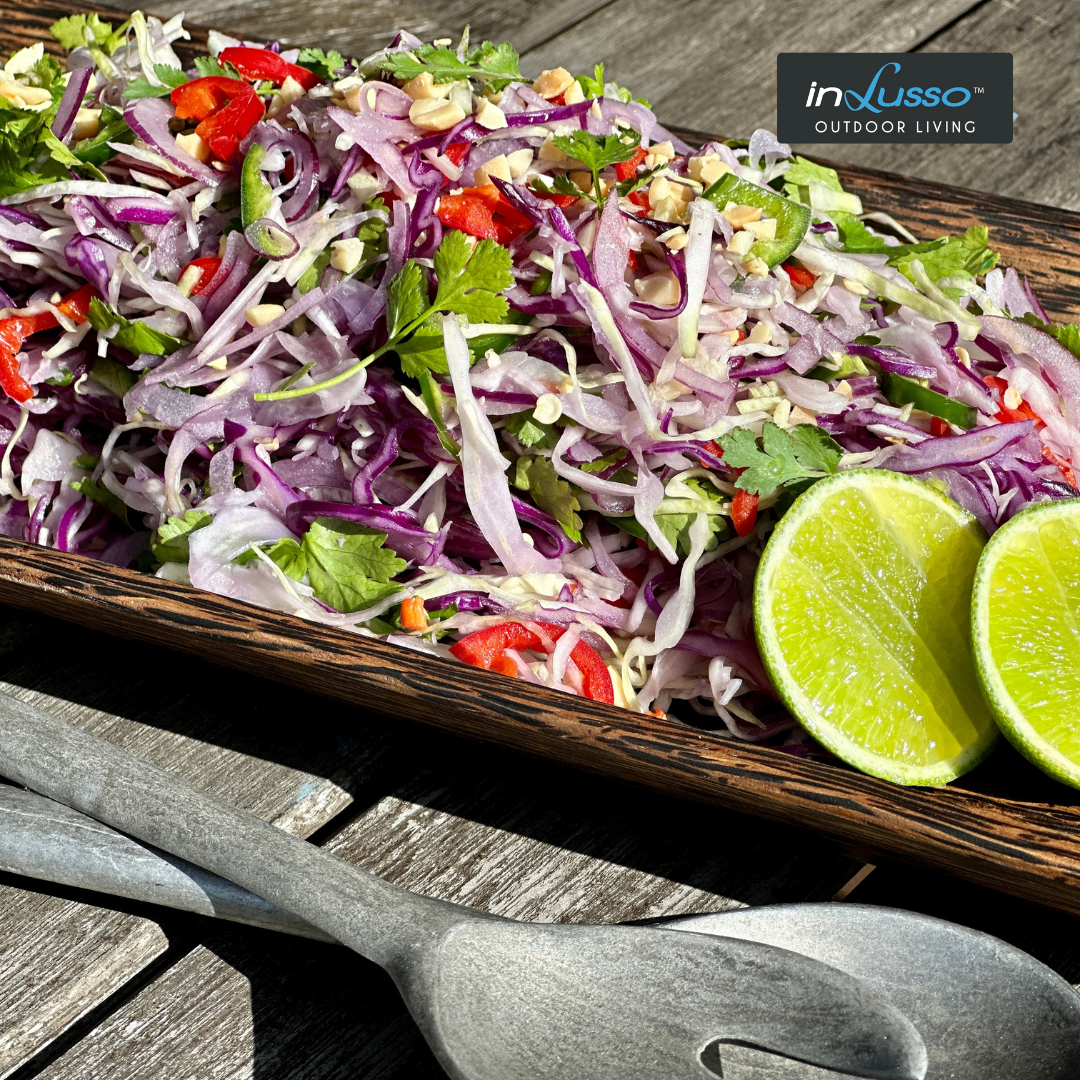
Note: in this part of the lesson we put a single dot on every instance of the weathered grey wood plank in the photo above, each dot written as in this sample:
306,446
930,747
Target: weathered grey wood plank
531,841
1040,163
58,960
359,32
233,735
711,65
244,1007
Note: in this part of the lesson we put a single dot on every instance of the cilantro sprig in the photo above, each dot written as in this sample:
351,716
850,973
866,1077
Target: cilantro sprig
597,153
347,565
469,280
324,64
804,452
494,65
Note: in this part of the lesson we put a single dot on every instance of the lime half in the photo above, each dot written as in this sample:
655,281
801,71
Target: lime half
861,609
1026,630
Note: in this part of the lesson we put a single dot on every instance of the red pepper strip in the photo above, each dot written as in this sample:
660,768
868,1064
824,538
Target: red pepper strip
207,268
800,277
640,198
15,329
939,427
632,261
456,152
1005,415
744,512
624,170
487,649
1064,467
483,212
226,108
263,64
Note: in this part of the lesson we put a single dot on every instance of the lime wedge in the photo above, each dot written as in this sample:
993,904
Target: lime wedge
1025,616
861,609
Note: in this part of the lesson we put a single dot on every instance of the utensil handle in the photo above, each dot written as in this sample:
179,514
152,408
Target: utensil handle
43,839
377,919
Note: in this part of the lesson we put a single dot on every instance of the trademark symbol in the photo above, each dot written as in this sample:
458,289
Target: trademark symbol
978,90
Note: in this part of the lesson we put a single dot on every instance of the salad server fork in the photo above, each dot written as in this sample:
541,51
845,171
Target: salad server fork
496,999
983,1007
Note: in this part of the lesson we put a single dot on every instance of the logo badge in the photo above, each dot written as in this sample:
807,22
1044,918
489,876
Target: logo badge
894,97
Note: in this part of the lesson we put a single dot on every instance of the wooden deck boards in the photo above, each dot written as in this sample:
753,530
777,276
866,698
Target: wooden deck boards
473,825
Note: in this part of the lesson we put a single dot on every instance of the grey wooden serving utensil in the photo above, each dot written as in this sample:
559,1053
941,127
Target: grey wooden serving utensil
985,1009
495,999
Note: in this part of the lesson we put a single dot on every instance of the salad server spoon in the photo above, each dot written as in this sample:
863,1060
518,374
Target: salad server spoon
496,999
983,1007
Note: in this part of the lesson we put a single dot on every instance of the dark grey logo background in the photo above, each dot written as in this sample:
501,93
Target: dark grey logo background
863,98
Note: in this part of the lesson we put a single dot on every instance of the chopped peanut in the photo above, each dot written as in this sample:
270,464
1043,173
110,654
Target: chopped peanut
741,243
497,168
424,87
261,314
707,169
741,216
552,83
364,185
761,334
765,229
856,287
1011,399
490,116
192,144
519,161
434,114
346,254
550,152
548,409
86,124
660,288
574,95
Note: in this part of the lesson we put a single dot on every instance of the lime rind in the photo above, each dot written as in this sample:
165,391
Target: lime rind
969,733
1010,716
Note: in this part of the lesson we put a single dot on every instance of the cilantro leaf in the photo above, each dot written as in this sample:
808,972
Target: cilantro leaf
471,279
1067,335
423,352
530,432
171,544
132,335
593,87
347,565
113,375
495,65
550,492
324,64
815,449
313,274
208,66
141,87
596,152
783,457
406,298
103,497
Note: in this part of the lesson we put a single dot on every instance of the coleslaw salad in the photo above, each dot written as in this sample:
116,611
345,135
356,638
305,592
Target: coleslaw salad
494,368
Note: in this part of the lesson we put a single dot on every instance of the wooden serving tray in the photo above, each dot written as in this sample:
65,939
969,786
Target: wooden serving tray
1005,825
